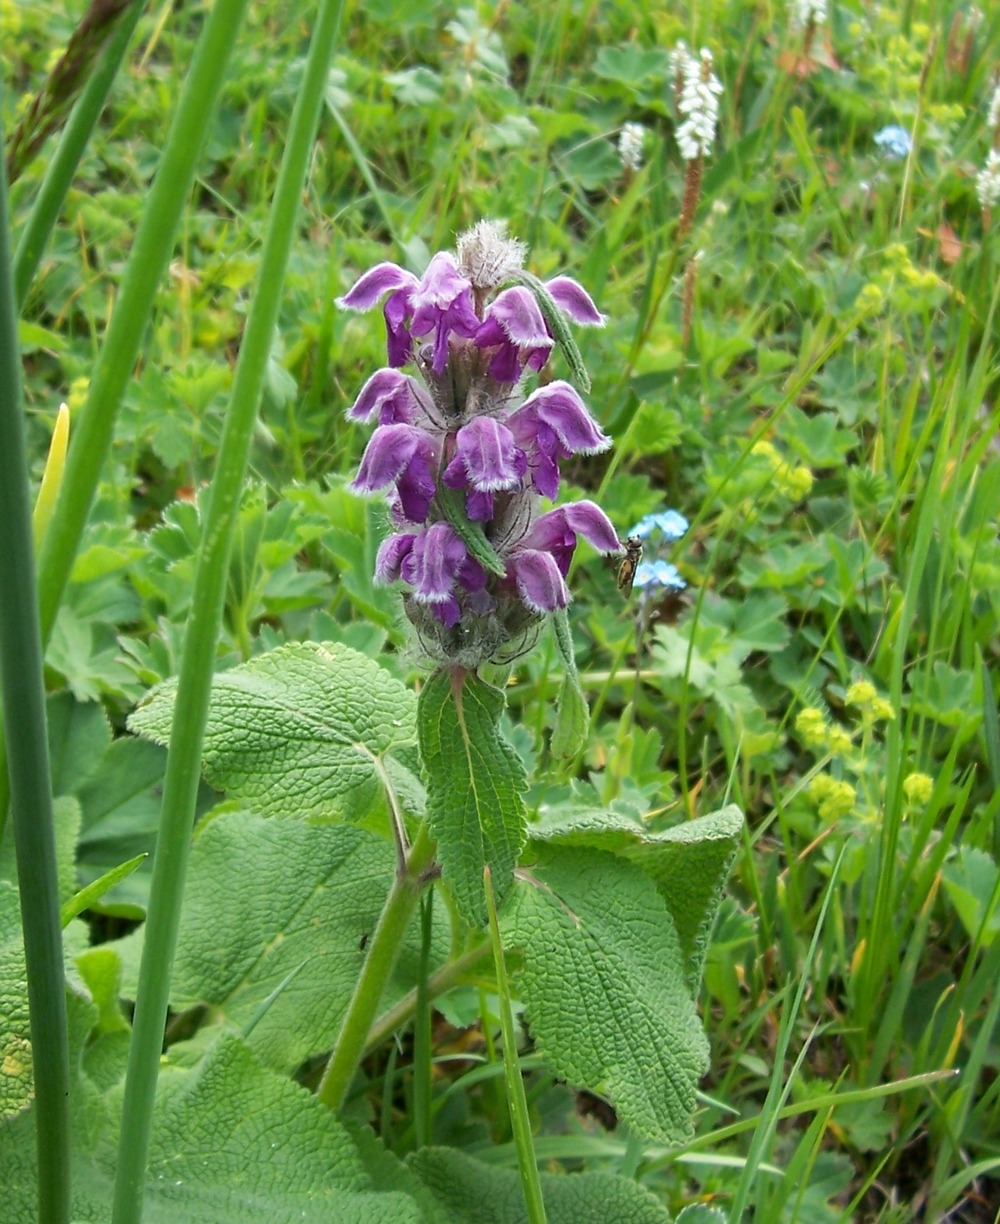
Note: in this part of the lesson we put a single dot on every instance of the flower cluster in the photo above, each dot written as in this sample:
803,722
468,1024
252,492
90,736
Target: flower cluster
988,181
654,576
463,457
699,104
894,141
808,13
630,142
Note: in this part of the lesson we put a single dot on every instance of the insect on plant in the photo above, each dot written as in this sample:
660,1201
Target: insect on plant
629,563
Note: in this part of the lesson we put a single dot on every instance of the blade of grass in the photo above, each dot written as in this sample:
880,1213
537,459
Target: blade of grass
516,1102
30,779
59,174
201,636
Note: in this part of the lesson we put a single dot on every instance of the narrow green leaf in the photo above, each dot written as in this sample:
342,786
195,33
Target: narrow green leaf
572,716
603,983
474,784
298,730
472,535
557,325
86,897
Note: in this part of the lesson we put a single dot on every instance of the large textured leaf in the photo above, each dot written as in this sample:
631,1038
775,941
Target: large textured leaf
604,986
297,731
471,1192
232,1143
474,785
282,908
689,864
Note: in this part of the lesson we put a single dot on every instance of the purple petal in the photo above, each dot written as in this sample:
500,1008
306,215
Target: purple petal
390,451
472,575
391,553
388,394
516,312
561,408
447,611
556,532
485,449
369,288
399,342
573,300
443,304
416,489
479,506
433,564
539,581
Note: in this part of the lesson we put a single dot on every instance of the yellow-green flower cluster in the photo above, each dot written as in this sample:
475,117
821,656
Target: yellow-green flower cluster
918,788
874,708
816,731
832,797
795,482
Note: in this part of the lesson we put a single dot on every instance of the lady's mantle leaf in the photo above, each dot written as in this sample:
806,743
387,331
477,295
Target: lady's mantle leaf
297,731
276,916
688,863
604,986
474,785
471,1192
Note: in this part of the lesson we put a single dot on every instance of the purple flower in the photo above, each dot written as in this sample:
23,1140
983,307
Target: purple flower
516,328
486,460
368,291
540,562
552,424
407,457
442,303
391,395
538,579
432,563
574,301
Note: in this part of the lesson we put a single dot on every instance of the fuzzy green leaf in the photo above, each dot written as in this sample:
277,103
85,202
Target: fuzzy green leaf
298,731
472,1192
232,1142
688,863
474,784
603,982
282,908
557,325
472,535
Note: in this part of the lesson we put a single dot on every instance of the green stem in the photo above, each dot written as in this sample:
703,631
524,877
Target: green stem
438,983
516,1100
151,251
383,948
59,174
30,785
211,576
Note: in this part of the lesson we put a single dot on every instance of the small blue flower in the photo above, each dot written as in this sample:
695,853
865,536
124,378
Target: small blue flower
655,577
668,526
894,141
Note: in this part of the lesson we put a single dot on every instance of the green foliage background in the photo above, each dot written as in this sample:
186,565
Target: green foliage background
827,418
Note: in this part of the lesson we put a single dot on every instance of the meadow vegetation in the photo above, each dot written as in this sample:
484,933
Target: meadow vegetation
803,364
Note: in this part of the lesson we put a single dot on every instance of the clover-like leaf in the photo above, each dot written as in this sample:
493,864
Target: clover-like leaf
475,780
688,863
603,982
299,731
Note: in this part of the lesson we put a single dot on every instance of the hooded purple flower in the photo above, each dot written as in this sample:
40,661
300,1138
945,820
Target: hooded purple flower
486,460
540,562
516,328
432,563
552,424
407,457
442,304
368,291
393,396
574,301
